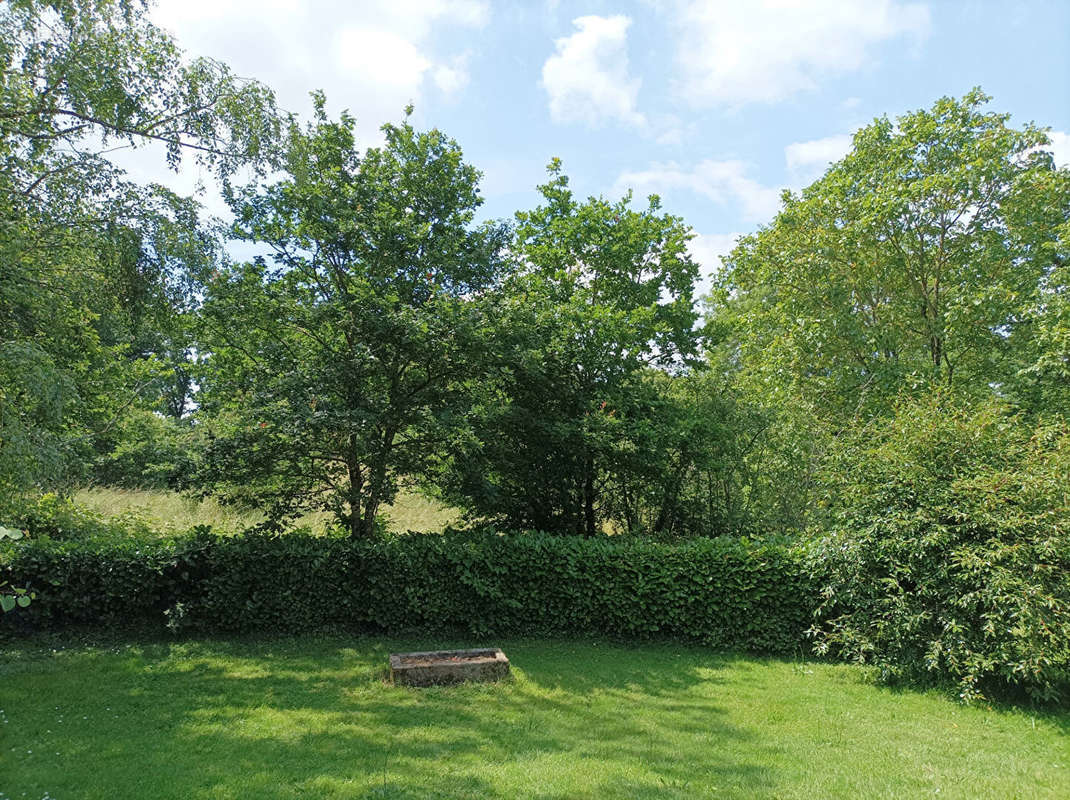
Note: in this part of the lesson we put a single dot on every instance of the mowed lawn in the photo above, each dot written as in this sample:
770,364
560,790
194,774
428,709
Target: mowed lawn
313,717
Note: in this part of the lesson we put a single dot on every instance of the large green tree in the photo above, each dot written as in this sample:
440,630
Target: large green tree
343,361
602,294
918,260
93,268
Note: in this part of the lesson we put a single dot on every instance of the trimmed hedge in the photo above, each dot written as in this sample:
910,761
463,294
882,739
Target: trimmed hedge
725,593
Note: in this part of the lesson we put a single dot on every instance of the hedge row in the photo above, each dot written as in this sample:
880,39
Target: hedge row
731,594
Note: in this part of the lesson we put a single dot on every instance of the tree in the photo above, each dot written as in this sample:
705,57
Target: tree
915,261
346,363
1043,385
93,284
83,76
602,293
698,465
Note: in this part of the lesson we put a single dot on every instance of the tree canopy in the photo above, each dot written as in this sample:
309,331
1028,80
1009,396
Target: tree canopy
918,260
95,276
342,362
601,294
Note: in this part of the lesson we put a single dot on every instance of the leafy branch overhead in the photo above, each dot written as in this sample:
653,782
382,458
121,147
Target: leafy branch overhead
89,75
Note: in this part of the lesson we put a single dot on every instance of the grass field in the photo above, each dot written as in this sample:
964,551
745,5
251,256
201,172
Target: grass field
313,717
170,511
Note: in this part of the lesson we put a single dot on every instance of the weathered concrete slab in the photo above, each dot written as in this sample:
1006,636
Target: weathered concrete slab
448,666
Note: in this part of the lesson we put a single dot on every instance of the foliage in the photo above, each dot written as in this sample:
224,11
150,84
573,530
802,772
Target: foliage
146,449
1043,385
347,363
949,548
725,593
12,596
602,295
918,260
691,468
94,289
84,69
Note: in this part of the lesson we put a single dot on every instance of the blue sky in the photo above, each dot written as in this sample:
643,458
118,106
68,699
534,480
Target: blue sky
714,105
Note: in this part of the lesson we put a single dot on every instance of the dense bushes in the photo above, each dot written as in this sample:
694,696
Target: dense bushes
944,555
731,594
948,556
147,450
61,518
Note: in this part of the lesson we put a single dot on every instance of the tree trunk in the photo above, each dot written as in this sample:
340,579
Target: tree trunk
356,488
588,497
356,526
367,523
371,505
376,481
672,492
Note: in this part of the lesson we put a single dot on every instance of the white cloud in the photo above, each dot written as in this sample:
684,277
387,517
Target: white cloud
1060,148
724,182
808,160
452,77
669,130
395,65
372,57
728,182
672,136
587,78
733,53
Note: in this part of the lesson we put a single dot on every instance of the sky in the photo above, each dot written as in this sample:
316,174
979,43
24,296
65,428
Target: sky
716,106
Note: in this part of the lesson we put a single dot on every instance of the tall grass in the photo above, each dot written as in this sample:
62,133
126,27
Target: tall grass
171,511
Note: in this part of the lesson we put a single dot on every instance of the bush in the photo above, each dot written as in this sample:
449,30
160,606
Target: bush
60,518
949,550
731,594
146,450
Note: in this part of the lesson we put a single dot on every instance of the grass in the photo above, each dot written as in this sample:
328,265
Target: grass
314,717
171,511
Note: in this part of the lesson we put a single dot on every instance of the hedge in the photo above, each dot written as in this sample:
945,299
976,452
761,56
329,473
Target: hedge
735,594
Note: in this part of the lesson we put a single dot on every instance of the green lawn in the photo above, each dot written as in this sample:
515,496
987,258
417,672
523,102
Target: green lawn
313,717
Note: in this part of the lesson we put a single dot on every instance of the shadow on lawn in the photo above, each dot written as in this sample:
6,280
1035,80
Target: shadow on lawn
254,721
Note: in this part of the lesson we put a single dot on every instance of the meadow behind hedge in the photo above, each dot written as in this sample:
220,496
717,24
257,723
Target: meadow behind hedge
728,593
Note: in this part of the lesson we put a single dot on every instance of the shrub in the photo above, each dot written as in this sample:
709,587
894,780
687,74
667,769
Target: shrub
147,450
61,518
949,550
12,597
725,593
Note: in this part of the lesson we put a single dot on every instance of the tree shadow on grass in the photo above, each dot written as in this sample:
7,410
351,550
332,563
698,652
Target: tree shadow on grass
314,718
